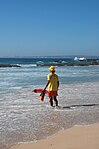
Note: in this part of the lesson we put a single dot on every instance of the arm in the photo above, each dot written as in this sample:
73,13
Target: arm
46,85
58,84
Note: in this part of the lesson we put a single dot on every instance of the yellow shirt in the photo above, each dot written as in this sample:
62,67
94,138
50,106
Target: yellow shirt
53,84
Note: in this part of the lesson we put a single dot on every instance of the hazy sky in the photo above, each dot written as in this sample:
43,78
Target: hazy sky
49,27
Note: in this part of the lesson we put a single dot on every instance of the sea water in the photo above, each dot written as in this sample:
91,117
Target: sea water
24,118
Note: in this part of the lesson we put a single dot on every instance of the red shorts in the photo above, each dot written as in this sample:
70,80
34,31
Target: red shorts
52,93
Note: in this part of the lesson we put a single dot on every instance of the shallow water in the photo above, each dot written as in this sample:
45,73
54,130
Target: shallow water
23,118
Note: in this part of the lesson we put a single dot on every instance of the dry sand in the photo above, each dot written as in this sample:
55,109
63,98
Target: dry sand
78,137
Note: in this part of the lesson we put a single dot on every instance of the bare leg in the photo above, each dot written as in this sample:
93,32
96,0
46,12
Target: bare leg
56,101
51,101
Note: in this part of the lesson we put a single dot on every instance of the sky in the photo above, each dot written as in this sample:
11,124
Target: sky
49,27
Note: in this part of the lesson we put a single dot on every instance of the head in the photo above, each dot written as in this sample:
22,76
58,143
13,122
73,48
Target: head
52,69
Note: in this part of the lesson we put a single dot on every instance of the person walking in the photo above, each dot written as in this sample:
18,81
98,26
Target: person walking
53,85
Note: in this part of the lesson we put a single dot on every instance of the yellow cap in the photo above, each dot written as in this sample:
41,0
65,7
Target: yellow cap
52,68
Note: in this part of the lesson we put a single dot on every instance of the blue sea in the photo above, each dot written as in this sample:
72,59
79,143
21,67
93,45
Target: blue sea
23,118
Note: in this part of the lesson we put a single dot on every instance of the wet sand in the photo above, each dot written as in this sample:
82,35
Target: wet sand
78,137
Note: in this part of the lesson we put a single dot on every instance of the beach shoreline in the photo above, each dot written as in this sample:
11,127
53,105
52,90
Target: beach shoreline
23,118
77,137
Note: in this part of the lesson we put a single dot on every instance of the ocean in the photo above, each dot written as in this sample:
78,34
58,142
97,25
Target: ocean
23,118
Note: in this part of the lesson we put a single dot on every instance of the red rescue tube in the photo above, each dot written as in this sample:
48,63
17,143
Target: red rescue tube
39,90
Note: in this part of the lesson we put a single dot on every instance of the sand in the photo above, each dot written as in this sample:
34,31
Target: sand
78,137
